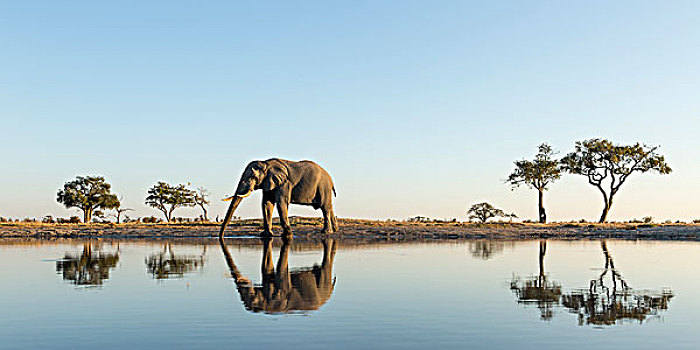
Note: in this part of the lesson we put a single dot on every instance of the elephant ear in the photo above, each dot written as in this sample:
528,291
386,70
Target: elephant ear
275,177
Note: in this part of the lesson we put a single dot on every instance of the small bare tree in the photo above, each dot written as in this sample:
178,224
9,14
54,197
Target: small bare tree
200,199
119,210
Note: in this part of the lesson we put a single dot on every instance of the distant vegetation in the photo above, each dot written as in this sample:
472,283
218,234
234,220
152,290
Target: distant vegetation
537,174
167,198
606,166
87,194
485,211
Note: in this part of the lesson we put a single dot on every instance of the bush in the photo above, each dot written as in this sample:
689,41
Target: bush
647,219
48,219
696,221
71,220
150,220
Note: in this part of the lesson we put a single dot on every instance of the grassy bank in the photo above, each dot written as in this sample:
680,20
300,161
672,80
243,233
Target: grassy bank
356,228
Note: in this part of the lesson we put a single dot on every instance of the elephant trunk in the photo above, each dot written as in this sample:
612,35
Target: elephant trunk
236,200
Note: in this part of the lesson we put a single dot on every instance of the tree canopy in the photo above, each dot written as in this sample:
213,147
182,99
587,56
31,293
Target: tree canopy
167,198
537,174
607,165
87,193
484,211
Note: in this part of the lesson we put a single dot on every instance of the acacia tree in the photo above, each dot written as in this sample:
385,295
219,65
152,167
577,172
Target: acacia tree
607,166
484,211
87,193
167,198
537,174
201,200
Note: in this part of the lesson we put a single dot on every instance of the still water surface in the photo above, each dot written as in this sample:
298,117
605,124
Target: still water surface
344,294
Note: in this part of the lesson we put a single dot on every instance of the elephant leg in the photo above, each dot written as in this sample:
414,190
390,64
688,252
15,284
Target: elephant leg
267,207
334,221
267,267
327,225
282,209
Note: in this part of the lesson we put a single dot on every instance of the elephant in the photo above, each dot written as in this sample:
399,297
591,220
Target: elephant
283,291
284,182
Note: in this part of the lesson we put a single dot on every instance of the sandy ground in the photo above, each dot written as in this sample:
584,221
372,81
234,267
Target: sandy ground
363,230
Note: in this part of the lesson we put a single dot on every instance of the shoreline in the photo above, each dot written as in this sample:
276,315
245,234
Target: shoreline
363,230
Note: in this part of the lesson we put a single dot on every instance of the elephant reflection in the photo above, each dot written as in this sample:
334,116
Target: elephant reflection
538,289
603,304
89,268
166,264
283,291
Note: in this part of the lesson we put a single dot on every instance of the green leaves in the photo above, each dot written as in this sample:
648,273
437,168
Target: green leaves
484,211
167,198
599,159
538,173
607,166
87,193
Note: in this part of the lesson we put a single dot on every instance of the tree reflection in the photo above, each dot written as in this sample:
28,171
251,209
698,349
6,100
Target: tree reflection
485,249
88,268
538,290
283,291
610,300
167,264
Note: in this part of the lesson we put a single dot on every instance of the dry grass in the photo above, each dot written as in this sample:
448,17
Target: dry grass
360,228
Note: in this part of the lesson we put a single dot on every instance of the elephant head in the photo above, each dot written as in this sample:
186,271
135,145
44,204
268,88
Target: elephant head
266,175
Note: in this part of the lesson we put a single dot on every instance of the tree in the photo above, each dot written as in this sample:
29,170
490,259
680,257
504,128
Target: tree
87,194
120,210
167,198
607,166
537,174
201,200
484,211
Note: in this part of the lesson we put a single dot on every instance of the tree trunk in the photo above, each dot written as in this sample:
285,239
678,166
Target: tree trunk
543,250
606,209
87,215
604,215
543,215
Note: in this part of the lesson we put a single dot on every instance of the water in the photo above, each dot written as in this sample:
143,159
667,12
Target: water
346,294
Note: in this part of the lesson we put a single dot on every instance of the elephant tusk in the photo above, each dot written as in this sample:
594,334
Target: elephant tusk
245,195
237,195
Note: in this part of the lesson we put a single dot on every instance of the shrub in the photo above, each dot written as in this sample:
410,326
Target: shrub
150,220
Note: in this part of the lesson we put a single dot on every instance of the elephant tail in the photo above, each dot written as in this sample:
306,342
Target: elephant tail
334,194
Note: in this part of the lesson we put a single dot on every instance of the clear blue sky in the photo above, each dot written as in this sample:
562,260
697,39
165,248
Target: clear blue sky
415,108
